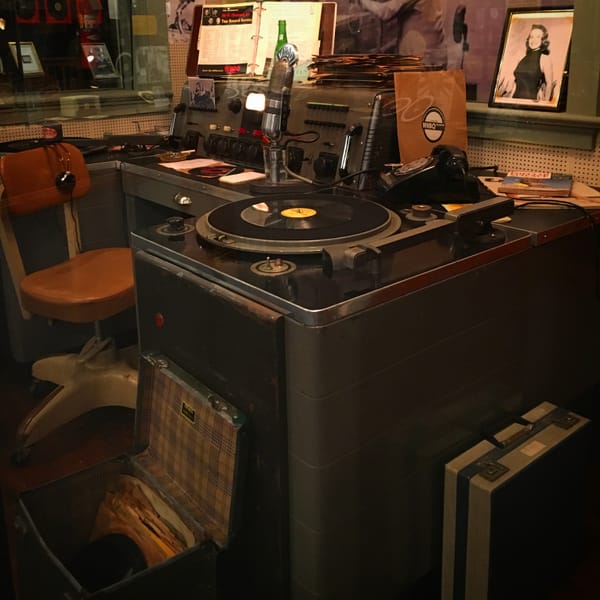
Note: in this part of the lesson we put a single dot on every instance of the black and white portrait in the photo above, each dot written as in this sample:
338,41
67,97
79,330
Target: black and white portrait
180,15
533,59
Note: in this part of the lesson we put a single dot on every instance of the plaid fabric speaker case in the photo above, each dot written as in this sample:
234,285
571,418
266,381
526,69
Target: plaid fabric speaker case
514,508
155,520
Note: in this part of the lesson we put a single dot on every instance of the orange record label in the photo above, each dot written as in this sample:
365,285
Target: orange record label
298,212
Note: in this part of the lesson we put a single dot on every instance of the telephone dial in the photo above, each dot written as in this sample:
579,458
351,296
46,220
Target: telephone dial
440,178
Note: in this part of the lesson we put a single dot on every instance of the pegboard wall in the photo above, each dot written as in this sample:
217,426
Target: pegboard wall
584,165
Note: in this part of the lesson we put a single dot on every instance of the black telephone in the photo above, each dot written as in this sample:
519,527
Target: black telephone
440,178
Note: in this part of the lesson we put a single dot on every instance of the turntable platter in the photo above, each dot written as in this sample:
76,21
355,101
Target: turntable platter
296,224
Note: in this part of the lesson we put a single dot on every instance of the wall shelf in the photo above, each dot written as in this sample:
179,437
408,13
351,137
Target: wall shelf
535,127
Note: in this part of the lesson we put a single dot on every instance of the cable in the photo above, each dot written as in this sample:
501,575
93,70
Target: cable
297,137
75,223
493,168
551,201
337,182
296,175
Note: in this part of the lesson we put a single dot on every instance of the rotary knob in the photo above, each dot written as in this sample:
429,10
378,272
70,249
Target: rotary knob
271,267
418,214
175,224
422,212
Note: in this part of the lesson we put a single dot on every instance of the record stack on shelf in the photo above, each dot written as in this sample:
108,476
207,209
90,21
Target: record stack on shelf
362,69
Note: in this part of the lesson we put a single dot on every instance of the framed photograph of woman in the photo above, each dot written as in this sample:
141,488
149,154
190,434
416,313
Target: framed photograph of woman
533,59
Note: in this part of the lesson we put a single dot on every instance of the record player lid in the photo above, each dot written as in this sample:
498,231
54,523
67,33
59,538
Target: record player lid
298,224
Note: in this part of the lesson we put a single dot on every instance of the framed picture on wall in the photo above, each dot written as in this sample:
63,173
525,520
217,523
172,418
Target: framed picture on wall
531,72
99,60
30,61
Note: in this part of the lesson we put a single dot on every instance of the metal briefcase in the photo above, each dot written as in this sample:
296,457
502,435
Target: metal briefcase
514,508
165,512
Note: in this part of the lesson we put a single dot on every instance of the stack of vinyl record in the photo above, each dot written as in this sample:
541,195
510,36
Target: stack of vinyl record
365,69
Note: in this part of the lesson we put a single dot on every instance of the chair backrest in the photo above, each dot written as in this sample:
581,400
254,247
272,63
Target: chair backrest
33,180
43,177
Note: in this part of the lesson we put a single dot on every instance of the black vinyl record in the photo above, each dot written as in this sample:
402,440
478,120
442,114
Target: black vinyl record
283,215
295,224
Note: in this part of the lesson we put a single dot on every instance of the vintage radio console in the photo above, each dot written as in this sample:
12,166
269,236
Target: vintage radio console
353,129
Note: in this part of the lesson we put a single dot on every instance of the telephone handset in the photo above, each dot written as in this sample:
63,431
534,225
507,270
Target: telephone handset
441,177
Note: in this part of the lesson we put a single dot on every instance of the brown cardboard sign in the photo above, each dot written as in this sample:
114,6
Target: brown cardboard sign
431,109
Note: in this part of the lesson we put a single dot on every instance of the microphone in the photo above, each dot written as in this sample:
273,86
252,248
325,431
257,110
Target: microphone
274,126
458,28
277,106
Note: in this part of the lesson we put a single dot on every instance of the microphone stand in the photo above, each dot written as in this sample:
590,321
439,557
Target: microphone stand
274,126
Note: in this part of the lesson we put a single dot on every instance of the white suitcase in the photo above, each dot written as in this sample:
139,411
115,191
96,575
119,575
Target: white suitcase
513,508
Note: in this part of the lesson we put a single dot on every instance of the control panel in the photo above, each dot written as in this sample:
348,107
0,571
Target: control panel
334,132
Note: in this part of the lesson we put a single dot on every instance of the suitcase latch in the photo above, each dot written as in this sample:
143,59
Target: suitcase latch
492,470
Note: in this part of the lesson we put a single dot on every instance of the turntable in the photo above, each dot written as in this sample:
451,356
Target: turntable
309,253
296,224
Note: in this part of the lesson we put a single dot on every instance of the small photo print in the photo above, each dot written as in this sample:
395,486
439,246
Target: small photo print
202,93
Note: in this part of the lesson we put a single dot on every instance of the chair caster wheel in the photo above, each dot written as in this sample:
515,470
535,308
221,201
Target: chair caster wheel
40,389
20,456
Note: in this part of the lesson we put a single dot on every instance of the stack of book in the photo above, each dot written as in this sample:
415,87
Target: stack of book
528,184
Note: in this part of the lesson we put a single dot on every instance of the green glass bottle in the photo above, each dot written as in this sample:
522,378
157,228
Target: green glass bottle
281,37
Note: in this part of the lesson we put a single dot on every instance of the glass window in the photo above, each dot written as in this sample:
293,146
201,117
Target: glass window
62,59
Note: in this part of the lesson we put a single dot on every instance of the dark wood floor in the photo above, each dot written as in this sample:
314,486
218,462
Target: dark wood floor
89,440
107,433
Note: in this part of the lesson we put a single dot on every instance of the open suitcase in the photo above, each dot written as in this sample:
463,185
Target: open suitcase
149,525
514,508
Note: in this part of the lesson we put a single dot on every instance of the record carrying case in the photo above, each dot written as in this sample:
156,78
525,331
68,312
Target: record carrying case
148,523
514,508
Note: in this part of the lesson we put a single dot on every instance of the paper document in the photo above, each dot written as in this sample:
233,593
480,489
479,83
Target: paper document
194,163
239,39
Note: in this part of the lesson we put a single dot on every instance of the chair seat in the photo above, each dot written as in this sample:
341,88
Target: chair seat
91,286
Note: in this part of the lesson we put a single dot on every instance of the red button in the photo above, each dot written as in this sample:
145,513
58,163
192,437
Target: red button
159,320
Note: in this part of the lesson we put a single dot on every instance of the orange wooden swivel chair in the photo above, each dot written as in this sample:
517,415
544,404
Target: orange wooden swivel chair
87,287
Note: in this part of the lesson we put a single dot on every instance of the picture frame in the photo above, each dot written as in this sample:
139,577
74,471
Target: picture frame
30,61
202,93
531,71
99,61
